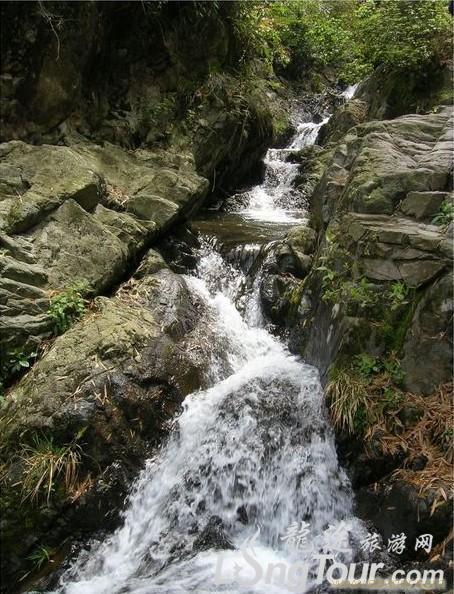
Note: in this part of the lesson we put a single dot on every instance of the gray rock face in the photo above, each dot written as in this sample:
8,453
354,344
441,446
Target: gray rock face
84,213
109,385
374,170
427,360
422,205
396,249
377,164
393,94
23,297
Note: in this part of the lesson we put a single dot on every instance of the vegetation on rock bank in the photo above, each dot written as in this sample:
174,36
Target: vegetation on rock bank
131,112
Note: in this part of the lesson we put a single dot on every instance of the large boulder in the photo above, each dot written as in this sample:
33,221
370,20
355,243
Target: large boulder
374,313
351,114
83,214
377,164
103,394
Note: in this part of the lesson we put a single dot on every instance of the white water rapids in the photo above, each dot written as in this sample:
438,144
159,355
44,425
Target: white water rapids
252,455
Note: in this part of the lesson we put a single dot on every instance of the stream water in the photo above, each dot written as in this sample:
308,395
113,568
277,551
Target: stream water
249,478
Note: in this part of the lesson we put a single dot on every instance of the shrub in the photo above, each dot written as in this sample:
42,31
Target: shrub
67,307
12,363
348,400
445,215
361,393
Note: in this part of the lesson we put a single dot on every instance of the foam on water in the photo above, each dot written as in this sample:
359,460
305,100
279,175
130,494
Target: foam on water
276,200
255,450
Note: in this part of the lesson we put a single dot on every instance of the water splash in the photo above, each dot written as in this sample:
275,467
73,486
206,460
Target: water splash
254,450
276,199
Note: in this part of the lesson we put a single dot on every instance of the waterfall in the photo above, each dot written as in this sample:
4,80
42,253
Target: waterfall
251,456
276,200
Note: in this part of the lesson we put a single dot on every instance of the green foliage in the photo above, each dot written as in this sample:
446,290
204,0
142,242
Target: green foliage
366,365
340,286
397,294
403,34
361,292
40,557
67,307
12,363
355,36
362,390
393,369
160,112
445,214
392,398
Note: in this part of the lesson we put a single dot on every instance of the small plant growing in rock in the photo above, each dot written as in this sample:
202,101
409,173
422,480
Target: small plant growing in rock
67,307
397,294
40,557
445,215
366,365
392,398
46,464
12,363
348,400
393,369
360,392
361,292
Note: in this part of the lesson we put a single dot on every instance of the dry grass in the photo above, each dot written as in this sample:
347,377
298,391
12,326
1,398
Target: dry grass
80,488
45,465
431,436
116,196
136,291
347,396
373,407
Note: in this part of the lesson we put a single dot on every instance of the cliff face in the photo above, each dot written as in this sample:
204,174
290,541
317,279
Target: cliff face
373,305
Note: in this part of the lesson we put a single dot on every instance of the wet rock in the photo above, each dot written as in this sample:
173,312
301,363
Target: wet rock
367,468
347,116
180,249
302,239
213,536
396,507
275,293
109,384
380,285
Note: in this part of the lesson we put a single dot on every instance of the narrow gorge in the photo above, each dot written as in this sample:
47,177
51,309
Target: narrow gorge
226,302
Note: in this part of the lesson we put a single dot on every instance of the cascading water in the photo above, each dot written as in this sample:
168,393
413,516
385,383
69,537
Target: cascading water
251,455
276,200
